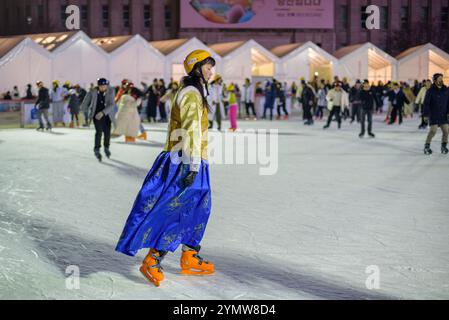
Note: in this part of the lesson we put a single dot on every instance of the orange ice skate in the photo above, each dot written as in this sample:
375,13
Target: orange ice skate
151,267
193,264
143,136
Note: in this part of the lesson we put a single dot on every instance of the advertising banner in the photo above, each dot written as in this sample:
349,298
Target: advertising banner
257,14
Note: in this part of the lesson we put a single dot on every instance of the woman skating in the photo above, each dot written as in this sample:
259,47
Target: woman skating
128,118
174,204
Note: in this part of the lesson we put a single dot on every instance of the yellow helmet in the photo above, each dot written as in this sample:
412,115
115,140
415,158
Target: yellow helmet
67,83
230,87
55,82
216,78
193,58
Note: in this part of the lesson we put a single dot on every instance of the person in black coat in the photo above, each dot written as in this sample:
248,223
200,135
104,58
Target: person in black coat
43,105
397,99
307,97
367,101
354,98
436,112
152,104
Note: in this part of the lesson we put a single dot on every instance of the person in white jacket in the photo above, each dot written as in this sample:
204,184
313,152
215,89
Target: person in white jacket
248,96
337,100
420,102
128,118
215,100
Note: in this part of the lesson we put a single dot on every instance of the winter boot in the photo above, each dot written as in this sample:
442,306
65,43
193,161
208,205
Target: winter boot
193,264
427,149
97,154
151,267
444,149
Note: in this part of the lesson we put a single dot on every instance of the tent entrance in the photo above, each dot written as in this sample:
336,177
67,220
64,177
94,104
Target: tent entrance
320,66
261,66
438,64
379,68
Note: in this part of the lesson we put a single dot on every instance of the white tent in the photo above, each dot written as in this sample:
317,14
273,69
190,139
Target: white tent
245,60
304,60
175,52
422,62
366,61
75,57
133,58
23,62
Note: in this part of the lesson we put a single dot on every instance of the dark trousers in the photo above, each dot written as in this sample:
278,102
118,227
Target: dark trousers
265,112
307,113
162,111
43,113
367,115
355,112
397,111
217,117
336,111
283,106
250,105
102,126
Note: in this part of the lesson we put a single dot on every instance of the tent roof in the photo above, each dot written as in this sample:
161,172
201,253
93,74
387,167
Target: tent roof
282,51
343,52
409,52
110,44
168,46
7,44
225,48
51,41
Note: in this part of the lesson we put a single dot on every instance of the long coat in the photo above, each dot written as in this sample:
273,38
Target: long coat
436,105
128,119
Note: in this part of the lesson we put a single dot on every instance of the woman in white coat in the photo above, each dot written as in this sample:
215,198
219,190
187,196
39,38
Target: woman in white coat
128,119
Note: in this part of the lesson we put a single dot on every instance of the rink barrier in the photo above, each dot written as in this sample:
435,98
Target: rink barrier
22,113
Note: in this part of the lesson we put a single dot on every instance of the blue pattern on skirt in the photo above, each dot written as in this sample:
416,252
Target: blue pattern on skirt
165,214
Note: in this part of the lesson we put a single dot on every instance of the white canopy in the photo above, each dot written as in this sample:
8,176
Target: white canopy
75,57
422,62
133,58
245,60
304,60
366,61
23,62
175,52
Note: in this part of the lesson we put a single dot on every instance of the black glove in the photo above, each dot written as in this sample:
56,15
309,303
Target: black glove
188,181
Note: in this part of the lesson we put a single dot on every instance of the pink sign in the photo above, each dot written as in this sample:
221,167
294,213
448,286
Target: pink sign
256,14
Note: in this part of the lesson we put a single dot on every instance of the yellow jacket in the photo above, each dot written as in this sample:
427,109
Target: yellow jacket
188,127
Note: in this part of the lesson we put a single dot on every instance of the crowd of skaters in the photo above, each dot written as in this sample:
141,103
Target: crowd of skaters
339,100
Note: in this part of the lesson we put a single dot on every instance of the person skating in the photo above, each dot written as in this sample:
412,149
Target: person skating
270,99
174,203
397,99
420,102
215,101
354,99
74,107
152,94
281,101
367,102
100,103
321,101
307,98
128,118
57,96
43,105
436,113
337,99
233,106
248,98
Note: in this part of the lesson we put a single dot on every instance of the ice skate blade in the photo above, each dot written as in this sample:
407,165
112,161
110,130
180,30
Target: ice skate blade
149,278
196,273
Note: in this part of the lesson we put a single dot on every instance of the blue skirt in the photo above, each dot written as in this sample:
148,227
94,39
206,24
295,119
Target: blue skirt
165,214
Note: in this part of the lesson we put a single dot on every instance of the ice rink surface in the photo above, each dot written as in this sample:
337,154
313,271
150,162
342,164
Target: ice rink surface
338,207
